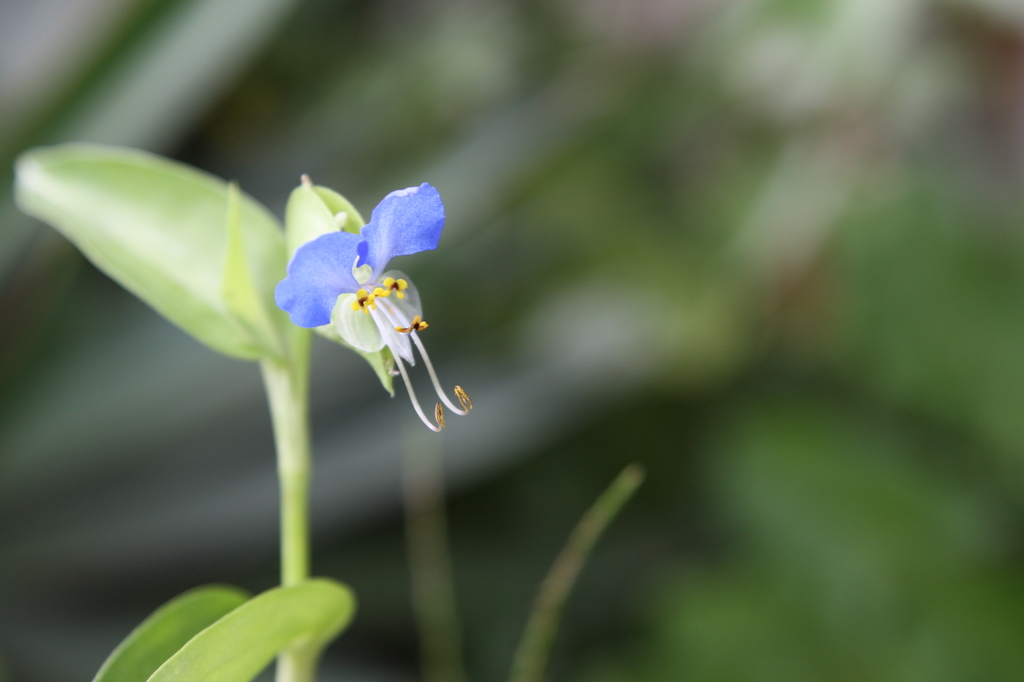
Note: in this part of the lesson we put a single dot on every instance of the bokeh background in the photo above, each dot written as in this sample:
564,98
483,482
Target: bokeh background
773,249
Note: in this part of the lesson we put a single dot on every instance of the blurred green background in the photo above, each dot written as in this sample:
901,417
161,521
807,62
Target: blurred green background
771,248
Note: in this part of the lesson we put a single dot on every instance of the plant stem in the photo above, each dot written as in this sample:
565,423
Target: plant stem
531,656
287,385
430,567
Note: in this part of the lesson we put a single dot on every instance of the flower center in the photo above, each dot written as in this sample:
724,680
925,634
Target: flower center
364,301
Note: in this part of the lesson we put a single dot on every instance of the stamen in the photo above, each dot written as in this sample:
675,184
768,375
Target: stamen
463,397
396,285
364,301
433,377
417,325
416,403
439,414
396,315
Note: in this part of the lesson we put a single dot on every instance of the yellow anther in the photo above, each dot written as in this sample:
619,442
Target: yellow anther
464,400
396,285
439,415
364,301
380,293
417,325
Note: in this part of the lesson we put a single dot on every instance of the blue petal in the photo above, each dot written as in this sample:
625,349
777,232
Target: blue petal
406,221
319,272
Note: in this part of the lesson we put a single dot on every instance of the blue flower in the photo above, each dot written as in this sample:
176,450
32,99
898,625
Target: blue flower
339,278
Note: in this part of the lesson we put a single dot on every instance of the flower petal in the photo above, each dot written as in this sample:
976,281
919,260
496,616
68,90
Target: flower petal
398,343
398,312
318,273
356,327
409,306
406,221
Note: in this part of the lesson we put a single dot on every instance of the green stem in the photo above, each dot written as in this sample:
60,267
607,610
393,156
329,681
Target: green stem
531,656
287,385
430,566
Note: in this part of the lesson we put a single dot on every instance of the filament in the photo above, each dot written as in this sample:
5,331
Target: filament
433,376
379,312
398,318
416,403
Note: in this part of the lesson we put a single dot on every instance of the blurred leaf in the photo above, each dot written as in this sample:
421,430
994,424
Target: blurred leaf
157,228
239,645
160,81
139,73
534,649
825,491
166,631
931,313
852,558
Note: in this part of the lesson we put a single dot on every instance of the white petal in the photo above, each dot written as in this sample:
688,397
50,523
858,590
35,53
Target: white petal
386,322
409,307
356,327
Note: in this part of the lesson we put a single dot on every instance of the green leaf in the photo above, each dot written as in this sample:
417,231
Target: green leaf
312,212
158,228
168,629
238,289
239,645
